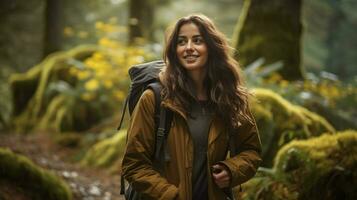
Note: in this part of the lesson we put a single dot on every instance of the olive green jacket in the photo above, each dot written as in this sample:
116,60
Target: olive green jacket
176,183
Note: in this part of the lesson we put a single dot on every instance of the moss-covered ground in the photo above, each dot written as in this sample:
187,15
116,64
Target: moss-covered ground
57,156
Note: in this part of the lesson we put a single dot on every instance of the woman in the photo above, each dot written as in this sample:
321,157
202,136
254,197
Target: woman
203,87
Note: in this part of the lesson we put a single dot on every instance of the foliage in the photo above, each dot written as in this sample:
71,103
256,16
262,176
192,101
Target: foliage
5,105
317,168
279,122
68,139
39,183
87,89
106,152
324,94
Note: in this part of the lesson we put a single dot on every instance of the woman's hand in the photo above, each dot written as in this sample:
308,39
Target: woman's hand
221,175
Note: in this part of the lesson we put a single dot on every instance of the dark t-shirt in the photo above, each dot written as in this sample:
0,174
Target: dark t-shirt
199,121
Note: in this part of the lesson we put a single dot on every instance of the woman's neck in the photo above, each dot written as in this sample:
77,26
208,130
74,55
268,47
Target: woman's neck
198,81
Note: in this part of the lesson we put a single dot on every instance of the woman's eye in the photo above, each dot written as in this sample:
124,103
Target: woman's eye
181,42
198,40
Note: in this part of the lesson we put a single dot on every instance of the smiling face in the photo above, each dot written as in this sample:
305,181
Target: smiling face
191,48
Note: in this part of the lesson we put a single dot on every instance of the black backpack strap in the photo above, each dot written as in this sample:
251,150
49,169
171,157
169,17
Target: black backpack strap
162,134
163,119
156,88
123,112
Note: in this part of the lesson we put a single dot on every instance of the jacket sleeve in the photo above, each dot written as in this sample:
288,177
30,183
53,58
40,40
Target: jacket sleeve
244,165
137,163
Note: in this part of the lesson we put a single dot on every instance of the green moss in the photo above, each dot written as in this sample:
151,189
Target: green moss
323,151
40,183
271,29
323,167
68,139
279,122
29,89
106,152
328,162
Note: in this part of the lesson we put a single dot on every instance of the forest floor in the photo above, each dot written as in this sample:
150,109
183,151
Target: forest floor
86,183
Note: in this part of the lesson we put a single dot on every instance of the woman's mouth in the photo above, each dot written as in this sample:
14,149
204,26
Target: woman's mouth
190,58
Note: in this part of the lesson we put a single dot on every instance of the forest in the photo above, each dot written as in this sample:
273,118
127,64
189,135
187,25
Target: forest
64,80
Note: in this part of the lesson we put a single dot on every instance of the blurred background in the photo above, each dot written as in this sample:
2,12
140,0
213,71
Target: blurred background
63,80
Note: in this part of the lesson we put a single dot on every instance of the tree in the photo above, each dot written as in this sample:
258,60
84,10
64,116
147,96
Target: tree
21,33
141,18
271,29
53,26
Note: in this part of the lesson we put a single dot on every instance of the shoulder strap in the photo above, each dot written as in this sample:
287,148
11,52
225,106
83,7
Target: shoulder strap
156,88
163,119
123,112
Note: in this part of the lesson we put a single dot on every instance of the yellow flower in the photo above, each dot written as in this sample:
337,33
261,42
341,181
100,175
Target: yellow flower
109,28
108,84
334,92
82,34
91,85
83,74
284,83
73,71
68,31
105,42
119,95
100,73
87,96
99,25
89,63
98,56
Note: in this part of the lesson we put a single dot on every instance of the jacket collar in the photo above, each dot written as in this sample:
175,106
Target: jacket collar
174,106
216,127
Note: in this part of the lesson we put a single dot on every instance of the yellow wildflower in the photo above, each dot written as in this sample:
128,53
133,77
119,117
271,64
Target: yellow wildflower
105,42
68,31
82,34
284,83
83,74
91,85
99,25
73,71
87,96
108,84
89,63
98,56
108,28
119,95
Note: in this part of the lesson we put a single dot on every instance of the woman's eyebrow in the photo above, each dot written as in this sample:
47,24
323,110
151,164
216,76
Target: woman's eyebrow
184,36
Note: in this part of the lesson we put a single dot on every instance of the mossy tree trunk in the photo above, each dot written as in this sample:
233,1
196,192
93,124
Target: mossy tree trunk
271,29
141,19
53,26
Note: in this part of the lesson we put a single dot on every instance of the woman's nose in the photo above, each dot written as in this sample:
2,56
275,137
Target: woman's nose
189,45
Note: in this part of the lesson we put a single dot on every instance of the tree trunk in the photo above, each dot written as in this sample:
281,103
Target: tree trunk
53,26
21,33
271,29
141,18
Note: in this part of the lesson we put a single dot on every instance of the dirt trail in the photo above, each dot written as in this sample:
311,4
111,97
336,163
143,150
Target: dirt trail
86,183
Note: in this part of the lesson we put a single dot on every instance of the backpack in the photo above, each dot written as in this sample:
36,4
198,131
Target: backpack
145,76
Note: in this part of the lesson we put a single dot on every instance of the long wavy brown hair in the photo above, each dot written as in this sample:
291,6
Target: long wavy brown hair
225,90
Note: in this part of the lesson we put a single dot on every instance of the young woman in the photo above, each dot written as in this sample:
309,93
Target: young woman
203,87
